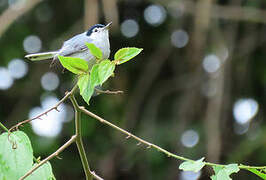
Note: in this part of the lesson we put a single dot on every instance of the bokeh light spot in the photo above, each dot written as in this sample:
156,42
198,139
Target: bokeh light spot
50,81
179,38
211,63
17,68
6,80
244,110
155,15
32,44
129,28
189,175
17,4
190,138
50,125
69,113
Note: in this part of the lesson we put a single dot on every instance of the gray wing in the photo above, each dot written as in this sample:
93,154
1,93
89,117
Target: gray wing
75,45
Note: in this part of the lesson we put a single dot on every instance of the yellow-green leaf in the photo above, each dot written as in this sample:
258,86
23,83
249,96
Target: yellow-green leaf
95,51
75,65
105,70
98,75
43,172
16,155
16,158
125,54
84,86
194,166
223,173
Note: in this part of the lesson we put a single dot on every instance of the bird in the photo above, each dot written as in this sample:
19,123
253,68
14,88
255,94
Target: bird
97,34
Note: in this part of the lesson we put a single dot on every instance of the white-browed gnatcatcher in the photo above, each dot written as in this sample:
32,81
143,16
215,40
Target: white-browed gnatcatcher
75,47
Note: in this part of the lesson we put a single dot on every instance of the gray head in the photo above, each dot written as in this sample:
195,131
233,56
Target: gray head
98,31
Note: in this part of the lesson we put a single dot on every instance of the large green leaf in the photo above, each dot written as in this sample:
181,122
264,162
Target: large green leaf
16,155
94,75
192,165
125,54
84,86
223,173
98,75
95,51
16,158
75,65
105,70
42,173
258,173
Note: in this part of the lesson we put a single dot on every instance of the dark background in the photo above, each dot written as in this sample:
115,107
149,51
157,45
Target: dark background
197,89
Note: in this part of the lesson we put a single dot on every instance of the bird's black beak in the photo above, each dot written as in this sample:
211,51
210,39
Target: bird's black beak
107,27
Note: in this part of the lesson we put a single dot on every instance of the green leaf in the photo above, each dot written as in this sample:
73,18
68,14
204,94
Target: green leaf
94,75
75,65
258,173
223,173
192,165
125,54
16,158
98,75
85,89
16,155
105,70
231,168
95,51
43,172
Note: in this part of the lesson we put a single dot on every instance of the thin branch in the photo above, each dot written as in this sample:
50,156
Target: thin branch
3,127
12,13
96,176
77,137
68,143
99,91
84,160
150,145
55,107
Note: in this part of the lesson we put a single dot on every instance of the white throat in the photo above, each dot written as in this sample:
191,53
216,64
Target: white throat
101,40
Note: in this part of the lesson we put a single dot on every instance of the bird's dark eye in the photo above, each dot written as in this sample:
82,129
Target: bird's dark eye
96,30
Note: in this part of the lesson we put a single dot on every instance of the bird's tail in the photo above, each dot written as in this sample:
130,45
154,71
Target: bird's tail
41,56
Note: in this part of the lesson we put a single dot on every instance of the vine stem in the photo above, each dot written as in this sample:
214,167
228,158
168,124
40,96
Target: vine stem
78,139
158,148
129,135
55,107
84,160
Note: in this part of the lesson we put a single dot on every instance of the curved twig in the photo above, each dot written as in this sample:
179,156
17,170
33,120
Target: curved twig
11,14
55,107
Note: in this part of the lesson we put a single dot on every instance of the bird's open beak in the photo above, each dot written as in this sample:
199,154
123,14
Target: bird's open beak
107,26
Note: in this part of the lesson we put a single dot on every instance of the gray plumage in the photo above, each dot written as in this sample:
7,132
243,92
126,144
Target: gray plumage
76,47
